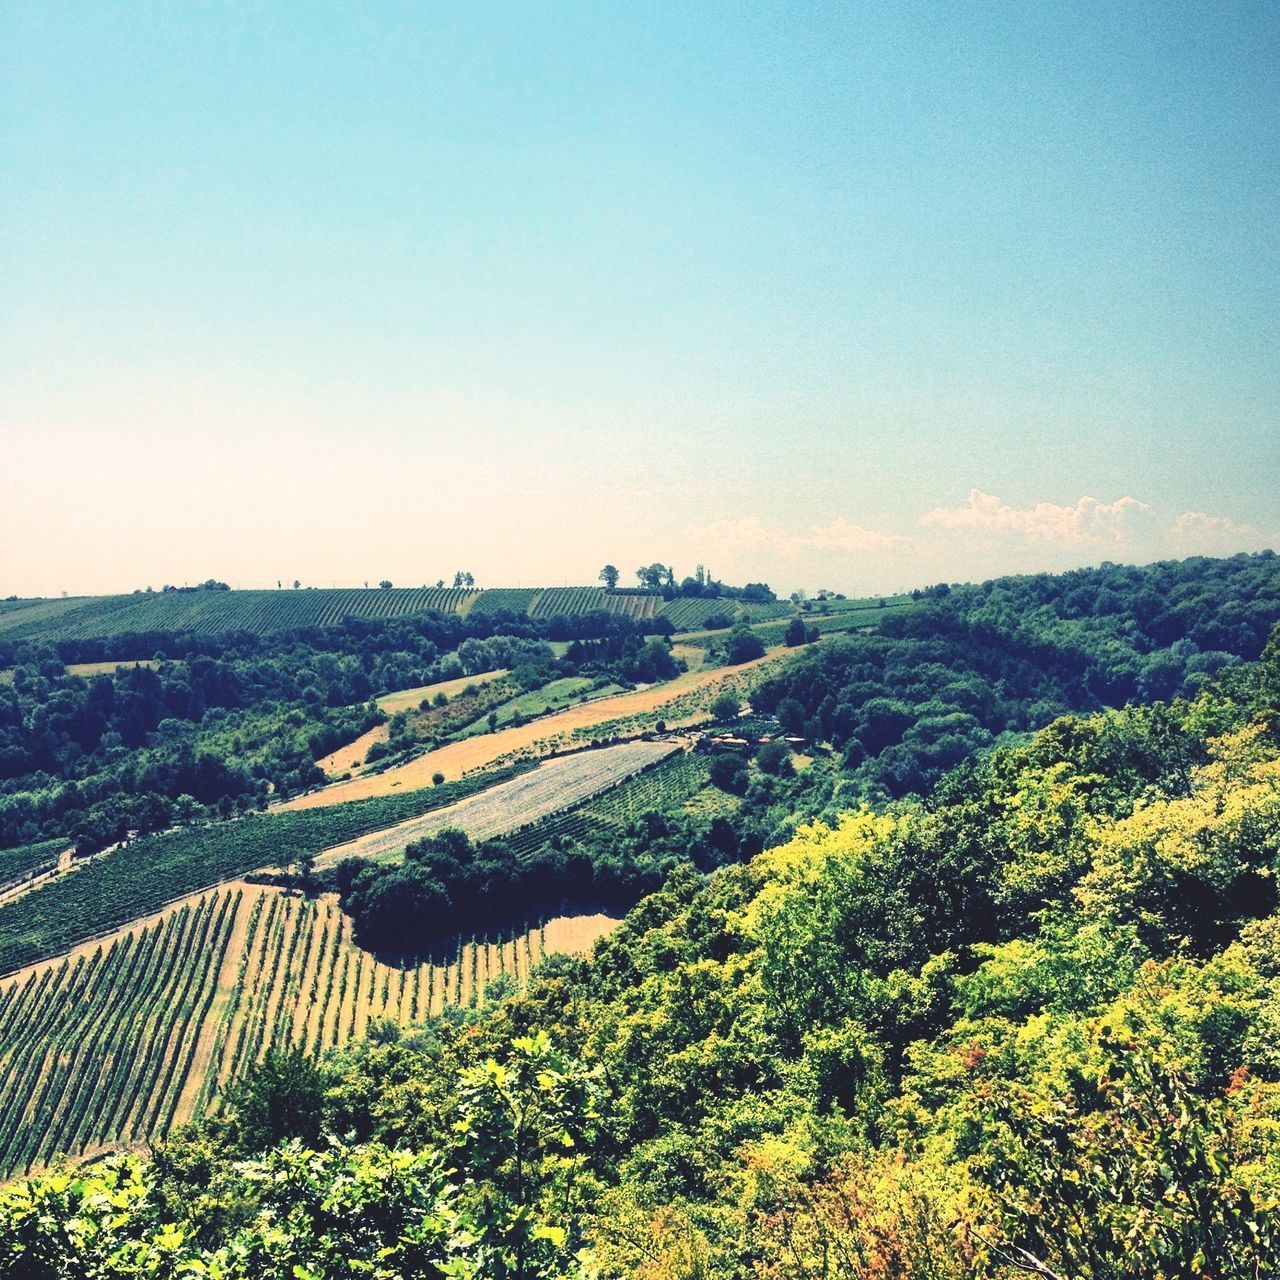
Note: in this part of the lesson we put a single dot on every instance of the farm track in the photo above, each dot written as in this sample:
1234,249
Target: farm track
561,727
118,1041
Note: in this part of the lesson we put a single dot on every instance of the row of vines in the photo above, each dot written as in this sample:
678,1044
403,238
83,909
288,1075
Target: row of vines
213,612
116,1046
145,874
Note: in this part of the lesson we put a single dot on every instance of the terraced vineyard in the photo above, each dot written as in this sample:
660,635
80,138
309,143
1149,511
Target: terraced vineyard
263,612
24,861
503,600
116,1045
214,612
688,614
572,602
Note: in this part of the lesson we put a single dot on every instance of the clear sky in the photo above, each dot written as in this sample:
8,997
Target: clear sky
859,295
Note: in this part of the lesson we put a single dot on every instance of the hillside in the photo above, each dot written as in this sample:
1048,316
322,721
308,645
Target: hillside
888,886
205,612
1026,1026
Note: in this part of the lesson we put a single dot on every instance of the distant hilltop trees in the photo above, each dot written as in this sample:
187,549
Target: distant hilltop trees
209,584
661,578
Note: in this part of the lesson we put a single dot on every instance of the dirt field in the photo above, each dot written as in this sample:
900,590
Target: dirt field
350,758
406,698
484,749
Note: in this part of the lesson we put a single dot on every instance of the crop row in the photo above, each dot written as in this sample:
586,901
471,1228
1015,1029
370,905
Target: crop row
149,1030
503,600
212,612
551,788
99,1048
144,874
664,788
24,861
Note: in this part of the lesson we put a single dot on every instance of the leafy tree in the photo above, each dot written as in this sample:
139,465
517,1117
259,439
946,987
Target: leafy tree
1140,1182
775,758
652,575
742,645
281,1097
726,706
609,576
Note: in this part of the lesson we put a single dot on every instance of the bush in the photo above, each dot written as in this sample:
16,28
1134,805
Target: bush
726,706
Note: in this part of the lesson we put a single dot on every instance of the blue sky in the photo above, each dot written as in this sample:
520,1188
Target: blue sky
856,295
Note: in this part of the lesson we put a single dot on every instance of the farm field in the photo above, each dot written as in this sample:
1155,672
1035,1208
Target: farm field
117,1042
681,700
214,612
88,669
572,602
558,694
403,699
551,787
680,782
143,875
350,758
23,860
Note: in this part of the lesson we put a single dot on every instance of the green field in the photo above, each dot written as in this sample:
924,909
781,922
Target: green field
149,872
554,696
215,612
24,861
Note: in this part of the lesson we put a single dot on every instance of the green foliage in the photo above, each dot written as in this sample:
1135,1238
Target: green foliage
280,1097
742,645
1139,1176
1024,1026
496,1200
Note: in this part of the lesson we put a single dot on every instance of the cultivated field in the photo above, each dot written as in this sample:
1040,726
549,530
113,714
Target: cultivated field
552,787
351,757
103,894
571,602
682,700
214,612
404,699
121,1040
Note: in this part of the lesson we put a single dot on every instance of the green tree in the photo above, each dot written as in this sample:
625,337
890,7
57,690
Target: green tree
609,576
742,645
526,1129
797,633
280,1097
726,706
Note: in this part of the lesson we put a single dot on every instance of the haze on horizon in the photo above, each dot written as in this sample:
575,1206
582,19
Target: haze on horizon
862,297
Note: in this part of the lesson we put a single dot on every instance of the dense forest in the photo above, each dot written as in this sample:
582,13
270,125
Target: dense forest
938,683
1023,1024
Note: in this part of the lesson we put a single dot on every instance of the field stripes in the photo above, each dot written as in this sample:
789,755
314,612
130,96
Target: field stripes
115,1046
215,612
551,787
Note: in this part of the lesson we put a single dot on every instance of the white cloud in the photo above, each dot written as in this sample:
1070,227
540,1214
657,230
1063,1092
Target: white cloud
751,533
1088,524
1199,533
